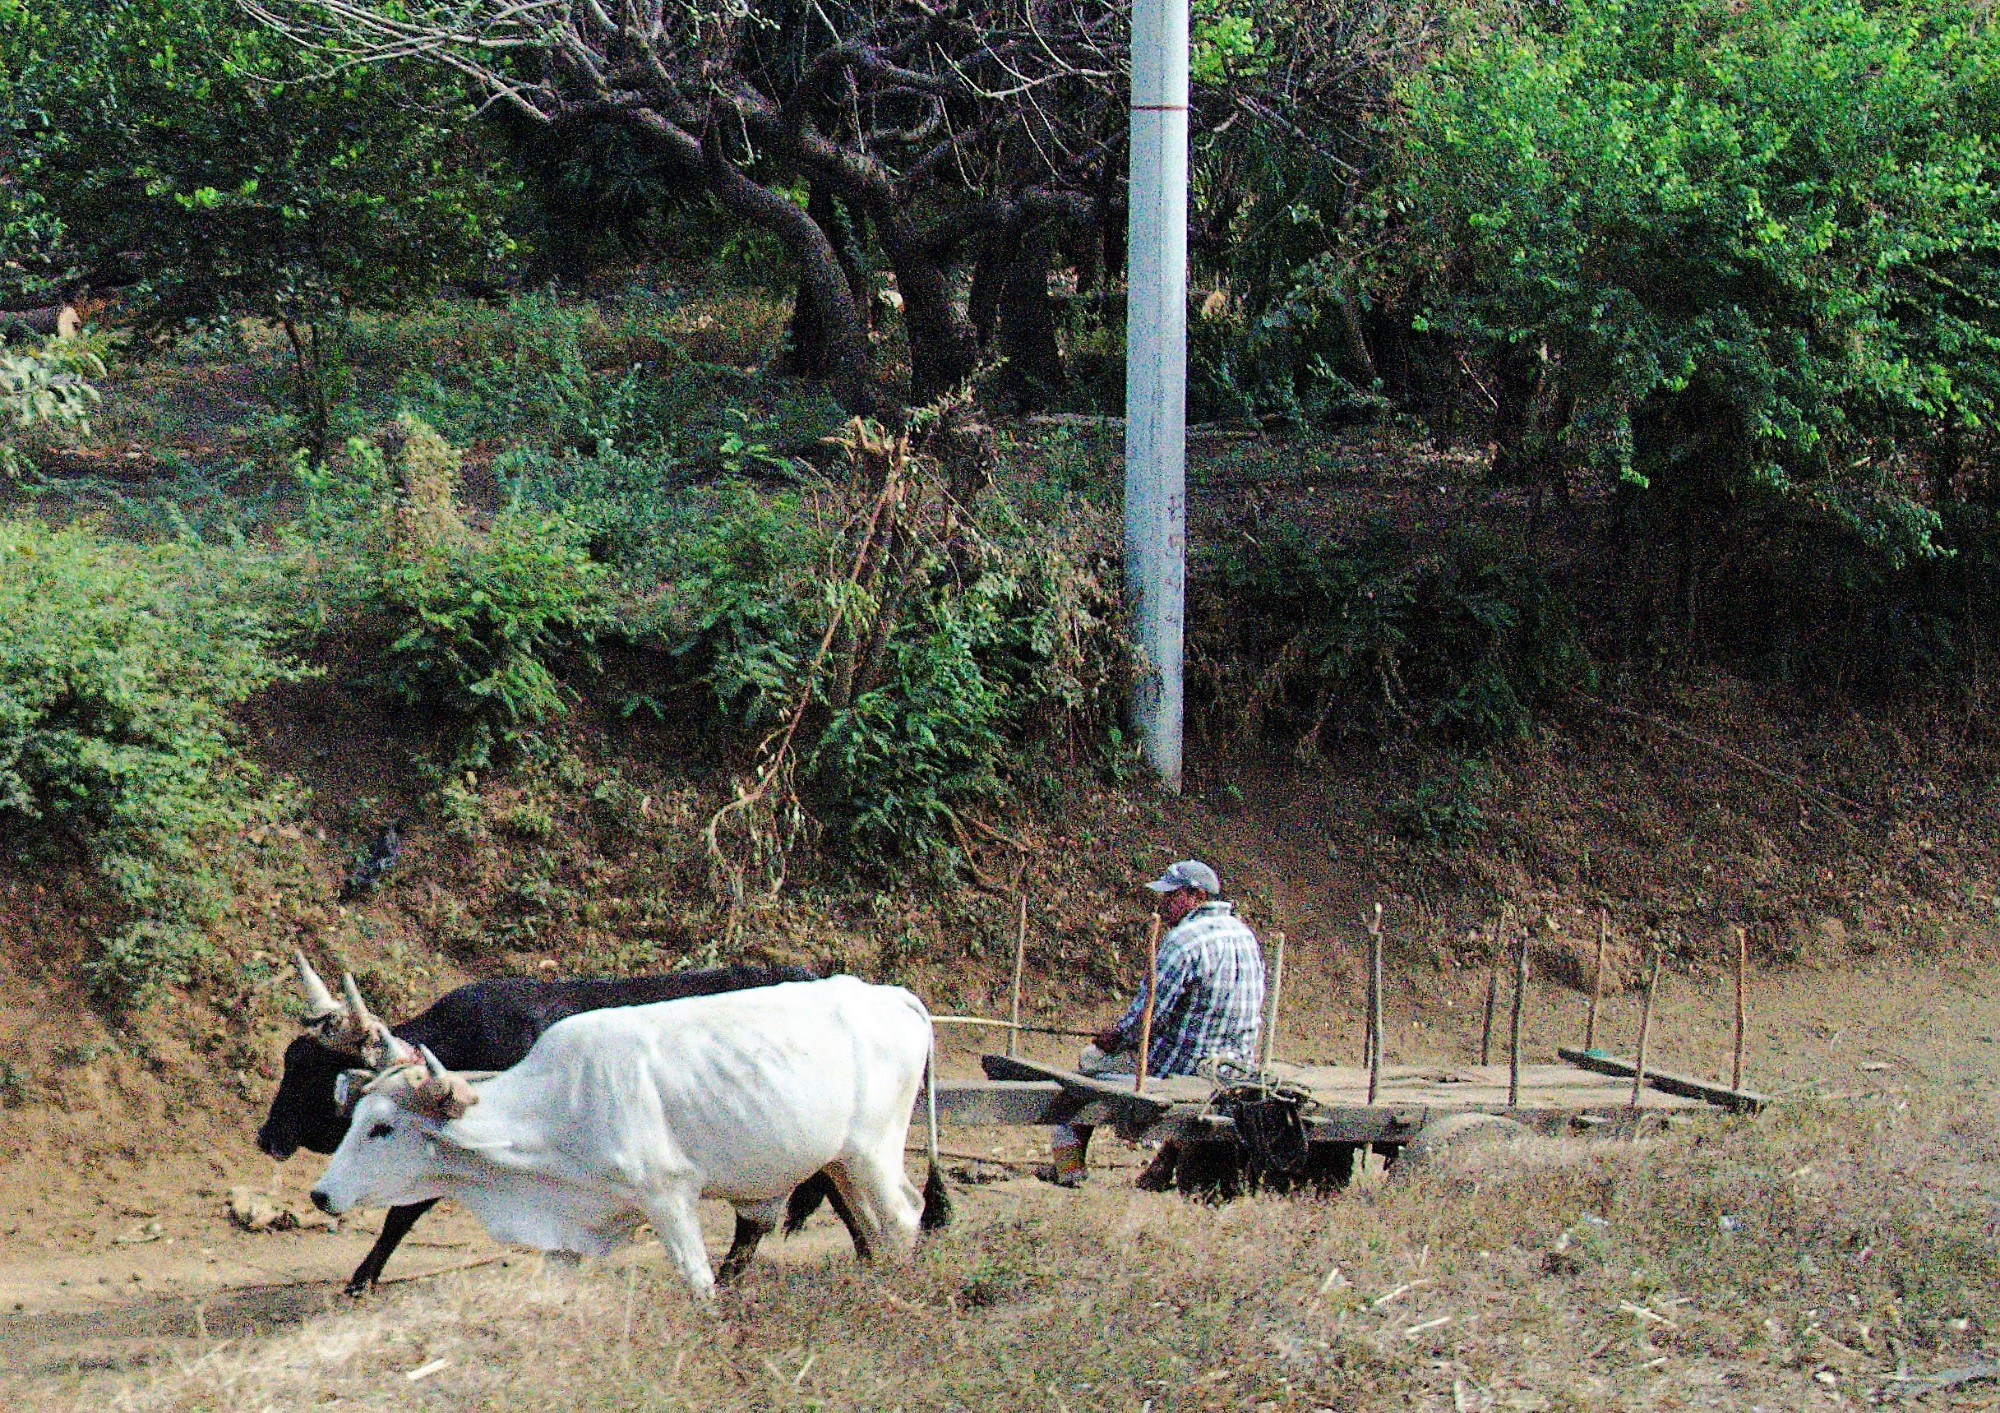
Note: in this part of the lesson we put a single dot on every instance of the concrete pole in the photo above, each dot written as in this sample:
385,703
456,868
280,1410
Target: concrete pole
1156,376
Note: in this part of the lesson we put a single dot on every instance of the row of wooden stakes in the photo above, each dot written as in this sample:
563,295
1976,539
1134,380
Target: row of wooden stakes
1372,1058
1499,951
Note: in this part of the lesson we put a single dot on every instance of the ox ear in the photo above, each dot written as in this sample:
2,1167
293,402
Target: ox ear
348,1087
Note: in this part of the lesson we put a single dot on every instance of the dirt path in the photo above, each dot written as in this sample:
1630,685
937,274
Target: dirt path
116,1281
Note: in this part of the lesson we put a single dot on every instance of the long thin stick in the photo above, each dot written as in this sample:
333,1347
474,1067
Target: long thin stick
1742,961
1271,995
1499,950
1146,1016
1746,762
1514,1024
1020,961
1645,1025
1375,1003
1597,979
999,1024
1368,1012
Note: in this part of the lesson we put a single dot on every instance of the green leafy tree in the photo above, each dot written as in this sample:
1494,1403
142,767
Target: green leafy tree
178,150
1736,252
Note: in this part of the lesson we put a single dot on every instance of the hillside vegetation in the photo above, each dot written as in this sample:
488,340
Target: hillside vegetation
681,493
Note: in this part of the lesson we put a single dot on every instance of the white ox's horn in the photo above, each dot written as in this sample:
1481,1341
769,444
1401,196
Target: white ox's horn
442,1094
324,1006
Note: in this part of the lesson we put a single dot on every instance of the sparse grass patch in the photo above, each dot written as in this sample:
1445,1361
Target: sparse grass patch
1574,1275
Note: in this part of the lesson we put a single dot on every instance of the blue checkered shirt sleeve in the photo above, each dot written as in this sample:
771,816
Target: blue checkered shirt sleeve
1211,993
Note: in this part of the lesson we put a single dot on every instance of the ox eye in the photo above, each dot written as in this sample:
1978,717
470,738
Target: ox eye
381,1131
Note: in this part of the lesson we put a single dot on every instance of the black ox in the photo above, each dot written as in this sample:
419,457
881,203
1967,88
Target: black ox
490,1025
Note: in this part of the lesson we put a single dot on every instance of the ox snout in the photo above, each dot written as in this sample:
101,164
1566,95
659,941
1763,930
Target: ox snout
273,1147
324,1203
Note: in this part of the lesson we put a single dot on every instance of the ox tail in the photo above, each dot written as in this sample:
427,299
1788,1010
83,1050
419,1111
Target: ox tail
937,1197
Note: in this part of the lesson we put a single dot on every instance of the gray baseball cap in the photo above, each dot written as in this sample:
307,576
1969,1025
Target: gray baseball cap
1188,873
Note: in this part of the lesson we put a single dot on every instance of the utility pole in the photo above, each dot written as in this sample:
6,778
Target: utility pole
1156,376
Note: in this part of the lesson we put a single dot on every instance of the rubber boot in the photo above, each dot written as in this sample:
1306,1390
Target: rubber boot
1067,1168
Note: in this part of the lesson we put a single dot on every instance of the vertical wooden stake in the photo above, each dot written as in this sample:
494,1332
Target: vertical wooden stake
1375,1003
1645,1025
1146,1016
1499,950
1514,1024
1597,979
1271,995
1368,1011
1742,961
1020,961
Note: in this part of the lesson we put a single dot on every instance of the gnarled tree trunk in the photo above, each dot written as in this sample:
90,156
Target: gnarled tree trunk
821,280
1034,373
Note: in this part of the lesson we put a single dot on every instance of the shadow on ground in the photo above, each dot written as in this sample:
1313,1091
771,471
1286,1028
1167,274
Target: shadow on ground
129,1335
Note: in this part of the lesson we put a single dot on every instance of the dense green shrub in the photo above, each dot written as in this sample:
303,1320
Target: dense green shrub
1290,359
118,670
1443,809
541,385
1387,637
468,623
930,668
1720,247
49,386
643,379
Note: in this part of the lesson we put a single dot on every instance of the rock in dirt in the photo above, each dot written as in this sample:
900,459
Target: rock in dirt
1455,1132
259,1211
255,1211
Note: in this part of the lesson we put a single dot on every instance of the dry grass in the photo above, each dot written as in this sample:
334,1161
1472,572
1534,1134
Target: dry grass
1579,1275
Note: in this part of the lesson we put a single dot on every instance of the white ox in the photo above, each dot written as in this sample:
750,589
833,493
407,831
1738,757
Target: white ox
628,1115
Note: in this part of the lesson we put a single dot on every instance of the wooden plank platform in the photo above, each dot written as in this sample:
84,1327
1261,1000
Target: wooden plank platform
1018,1091
1741,1101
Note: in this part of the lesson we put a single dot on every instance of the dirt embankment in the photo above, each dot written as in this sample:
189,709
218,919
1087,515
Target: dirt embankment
1839,844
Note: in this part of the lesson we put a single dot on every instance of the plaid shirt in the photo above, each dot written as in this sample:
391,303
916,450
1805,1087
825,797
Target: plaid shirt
1211,993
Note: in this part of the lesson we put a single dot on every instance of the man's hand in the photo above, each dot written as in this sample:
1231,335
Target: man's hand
1109,1040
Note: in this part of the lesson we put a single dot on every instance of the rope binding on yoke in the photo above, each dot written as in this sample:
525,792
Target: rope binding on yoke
1269,1115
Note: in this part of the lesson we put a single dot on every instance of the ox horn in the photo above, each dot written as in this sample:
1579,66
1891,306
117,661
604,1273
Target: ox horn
443,1094
322,1001
380,1049
359,1007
